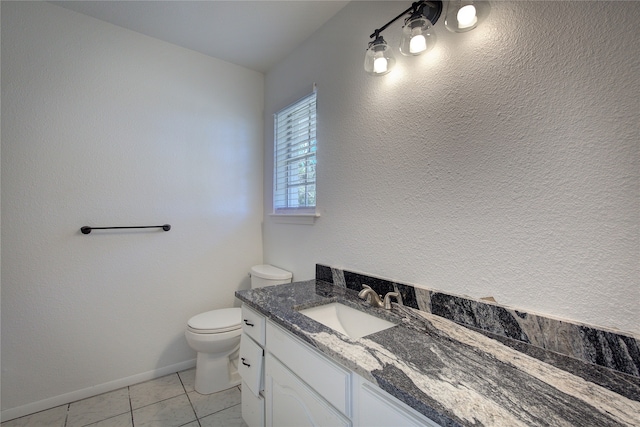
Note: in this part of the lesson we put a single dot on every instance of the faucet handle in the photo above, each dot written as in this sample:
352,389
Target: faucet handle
363,293
387,299
367,293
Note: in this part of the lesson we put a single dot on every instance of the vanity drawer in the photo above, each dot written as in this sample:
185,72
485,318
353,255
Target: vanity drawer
250,364
328,379
253,324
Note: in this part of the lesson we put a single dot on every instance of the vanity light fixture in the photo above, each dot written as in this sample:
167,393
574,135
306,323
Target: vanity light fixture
418,36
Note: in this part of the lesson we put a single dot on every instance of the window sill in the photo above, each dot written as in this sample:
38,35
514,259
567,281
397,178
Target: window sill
302,219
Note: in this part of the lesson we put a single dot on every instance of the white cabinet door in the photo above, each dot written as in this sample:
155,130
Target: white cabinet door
325,377
291,403
375,407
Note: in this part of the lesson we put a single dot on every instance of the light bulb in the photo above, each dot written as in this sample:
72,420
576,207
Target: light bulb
379,59
417,44
467,16
417,36
380,65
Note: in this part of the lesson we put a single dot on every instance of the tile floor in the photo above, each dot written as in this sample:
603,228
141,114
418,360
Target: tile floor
169,401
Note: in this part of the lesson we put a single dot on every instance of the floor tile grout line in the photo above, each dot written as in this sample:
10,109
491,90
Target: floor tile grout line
154,403
193,408
108,418
189,399
219,410
158,401
68,405
130,411
66,415
130,406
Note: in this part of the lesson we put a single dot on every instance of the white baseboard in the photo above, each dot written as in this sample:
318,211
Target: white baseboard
52,402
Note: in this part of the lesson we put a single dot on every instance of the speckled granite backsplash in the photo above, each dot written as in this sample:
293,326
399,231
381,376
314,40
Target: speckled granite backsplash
615,351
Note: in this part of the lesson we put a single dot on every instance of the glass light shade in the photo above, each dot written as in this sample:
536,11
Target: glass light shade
417,36
379,59
462,15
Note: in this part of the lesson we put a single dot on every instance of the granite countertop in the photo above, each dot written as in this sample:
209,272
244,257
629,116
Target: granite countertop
452,374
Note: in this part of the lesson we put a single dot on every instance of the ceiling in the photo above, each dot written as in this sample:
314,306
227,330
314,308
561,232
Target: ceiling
253,34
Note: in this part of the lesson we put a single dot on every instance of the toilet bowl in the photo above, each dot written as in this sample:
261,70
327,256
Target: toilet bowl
215,336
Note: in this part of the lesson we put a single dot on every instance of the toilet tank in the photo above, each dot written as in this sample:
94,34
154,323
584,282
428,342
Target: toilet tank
268,275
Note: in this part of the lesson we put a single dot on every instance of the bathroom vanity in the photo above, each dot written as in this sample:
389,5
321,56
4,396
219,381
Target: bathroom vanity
288,383
425,371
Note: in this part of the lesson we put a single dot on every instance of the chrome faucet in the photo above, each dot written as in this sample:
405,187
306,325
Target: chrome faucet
371,296
375,299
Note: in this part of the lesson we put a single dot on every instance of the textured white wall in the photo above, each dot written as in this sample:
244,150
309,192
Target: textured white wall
103,126
505,162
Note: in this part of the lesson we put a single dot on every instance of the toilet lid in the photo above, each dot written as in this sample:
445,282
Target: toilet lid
216,321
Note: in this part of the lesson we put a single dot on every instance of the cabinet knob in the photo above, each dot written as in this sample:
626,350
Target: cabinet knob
243,362
246,322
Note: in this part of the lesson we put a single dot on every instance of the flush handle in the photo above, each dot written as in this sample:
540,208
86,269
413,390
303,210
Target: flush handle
244,363
246,322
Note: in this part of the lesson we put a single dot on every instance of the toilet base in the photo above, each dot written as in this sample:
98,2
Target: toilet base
215,373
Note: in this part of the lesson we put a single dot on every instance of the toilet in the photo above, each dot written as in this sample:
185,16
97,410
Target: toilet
215,336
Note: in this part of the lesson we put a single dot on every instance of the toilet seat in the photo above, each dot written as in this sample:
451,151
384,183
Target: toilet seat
216,321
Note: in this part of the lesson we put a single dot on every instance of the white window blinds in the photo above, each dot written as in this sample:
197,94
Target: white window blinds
295,157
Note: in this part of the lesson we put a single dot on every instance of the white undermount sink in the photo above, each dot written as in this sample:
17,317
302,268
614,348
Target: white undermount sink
346,320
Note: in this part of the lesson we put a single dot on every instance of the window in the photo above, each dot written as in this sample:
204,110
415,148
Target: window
294,183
